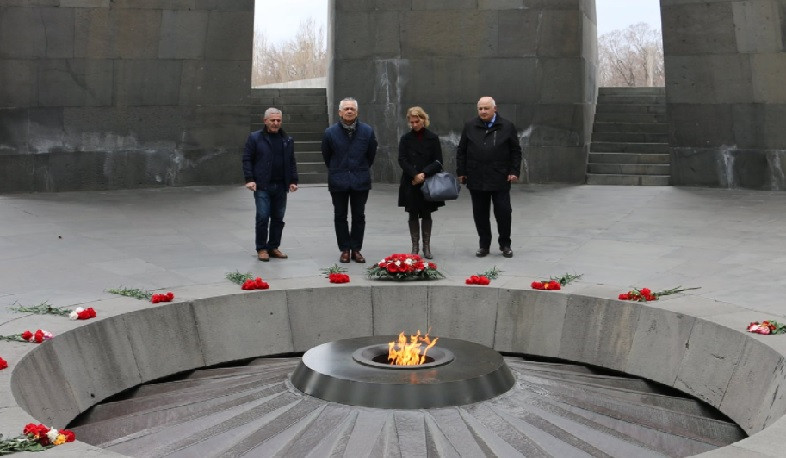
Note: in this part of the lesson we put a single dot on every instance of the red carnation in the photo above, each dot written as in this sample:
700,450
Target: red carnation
27,335
39,336
3,363
169,296
155,299
69,435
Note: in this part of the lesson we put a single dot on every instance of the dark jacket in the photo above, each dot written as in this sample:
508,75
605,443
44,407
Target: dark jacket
258,159
487,155
418,155
349,160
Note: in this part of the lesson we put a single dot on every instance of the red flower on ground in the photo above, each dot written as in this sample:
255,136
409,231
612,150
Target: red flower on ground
478,280
27,335
162,297
256,283
338,277
3,364
546,285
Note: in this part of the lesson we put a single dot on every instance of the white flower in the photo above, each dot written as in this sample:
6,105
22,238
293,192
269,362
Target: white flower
52,434
48,335
73,315
408,261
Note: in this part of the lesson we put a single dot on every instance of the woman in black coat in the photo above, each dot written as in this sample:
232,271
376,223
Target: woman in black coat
420,156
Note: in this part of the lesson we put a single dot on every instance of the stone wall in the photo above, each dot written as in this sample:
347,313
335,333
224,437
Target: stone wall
725,66
537,58
104,94
135,342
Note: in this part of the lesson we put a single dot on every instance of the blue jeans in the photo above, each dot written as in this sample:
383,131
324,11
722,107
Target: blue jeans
271,205
342,203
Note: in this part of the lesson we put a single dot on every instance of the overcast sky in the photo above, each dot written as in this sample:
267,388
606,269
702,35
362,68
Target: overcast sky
280,19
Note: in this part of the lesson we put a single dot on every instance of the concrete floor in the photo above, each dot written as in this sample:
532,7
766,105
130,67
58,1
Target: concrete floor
68,248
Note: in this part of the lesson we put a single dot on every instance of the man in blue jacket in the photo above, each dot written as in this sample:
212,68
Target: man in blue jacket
488,160
270,171
348,148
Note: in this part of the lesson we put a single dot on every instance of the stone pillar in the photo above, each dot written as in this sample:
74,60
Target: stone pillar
725,91
100,94
536,58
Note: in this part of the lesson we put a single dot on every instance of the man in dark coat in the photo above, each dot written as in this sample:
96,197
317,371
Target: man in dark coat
488,160
270,171
348,148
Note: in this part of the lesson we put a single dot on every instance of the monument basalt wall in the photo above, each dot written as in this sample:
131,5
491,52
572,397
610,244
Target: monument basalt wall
100,94
726,97
537,59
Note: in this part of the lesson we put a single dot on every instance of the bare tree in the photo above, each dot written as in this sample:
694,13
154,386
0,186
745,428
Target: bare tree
631,57
303,57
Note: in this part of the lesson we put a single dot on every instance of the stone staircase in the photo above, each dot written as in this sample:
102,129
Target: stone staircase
305,119
630,138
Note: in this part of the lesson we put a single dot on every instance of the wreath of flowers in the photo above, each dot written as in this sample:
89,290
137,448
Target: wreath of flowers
404,266
646,294
33,337
82,314
767,327
36,438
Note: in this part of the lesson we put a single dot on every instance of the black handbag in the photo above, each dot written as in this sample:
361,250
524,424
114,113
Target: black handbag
441,186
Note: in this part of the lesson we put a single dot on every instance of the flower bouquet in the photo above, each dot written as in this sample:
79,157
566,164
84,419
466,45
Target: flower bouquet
555,283
28,336
484,278
646,294
256,283
767,327
35,438
82,314
402,267
336,274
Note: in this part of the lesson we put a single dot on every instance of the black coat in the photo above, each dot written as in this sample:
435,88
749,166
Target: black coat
418,154
487,155
258,159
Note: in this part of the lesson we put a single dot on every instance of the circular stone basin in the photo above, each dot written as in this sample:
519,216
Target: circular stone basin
459,373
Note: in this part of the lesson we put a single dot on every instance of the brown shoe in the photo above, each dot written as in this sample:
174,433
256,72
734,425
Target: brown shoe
344,257
358,257
276,253
263,256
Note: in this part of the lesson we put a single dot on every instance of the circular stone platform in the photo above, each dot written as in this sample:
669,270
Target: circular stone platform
344,371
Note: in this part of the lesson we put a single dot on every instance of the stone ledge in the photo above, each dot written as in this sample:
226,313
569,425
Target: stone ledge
134,342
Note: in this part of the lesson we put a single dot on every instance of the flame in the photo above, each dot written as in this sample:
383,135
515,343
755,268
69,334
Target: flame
402,353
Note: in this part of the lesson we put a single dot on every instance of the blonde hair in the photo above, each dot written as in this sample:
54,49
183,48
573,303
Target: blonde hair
420,113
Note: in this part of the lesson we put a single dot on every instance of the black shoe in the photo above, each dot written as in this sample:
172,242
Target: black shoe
506,252
482,252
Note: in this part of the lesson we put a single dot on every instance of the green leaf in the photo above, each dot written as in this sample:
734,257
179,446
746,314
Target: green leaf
239,278
132,292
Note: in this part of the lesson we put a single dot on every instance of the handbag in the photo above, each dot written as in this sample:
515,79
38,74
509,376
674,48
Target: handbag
441,186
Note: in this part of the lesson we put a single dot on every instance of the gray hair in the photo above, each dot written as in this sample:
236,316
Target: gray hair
271,111
348,99
493,102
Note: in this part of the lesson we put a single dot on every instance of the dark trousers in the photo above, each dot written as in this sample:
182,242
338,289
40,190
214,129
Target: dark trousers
481,209
271,205
349,239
